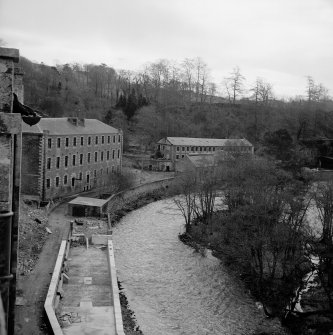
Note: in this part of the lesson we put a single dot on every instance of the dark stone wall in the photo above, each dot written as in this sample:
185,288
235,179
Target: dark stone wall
30,168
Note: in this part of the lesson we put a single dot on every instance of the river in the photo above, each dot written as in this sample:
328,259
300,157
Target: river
172,289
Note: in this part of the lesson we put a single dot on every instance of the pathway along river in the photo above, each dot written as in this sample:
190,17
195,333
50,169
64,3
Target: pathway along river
172,289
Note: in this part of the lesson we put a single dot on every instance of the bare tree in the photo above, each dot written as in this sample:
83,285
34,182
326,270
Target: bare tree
234,84
324,247
316,92
186,203
262,93
188,76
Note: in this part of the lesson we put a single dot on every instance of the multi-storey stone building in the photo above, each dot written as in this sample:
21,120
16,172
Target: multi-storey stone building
173,149
63,156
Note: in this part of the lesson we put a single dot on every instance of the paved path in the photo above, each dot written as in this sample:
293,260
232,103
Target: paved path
30,318
87,301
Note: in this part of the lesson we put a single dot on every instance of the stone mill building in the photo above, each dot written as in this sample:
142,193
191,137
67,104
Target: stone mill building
63,156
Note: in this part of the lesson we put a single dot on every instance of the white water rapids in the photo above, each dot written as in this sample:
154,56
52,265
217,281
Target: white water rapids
172,289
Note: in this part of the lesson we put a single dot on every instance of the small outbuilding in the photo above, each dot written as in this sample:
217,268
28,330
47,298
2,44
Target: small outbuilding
84,206
201,162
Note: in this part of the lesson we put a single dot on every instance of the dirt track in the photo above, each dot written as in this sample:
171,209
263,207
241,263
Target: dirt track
29,318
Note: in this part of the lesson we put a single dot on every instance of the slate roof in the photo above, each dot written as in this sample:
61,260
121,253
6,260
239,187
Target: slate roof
61,126
208,142
86,201
211,159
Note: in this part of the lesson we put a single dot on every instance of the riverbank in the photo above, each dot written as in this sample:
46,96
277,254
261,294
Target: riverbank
311,323
268,326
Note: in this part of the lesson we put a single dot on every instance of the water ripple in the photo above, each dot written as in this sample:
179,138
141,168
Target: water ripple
173,290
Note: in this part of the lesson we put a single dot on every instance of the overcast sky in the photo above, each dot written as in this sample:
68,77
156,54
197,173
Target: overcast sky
282,41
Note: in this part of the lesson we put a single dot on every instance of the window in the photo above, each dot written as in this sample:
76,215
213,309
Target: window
80,175
177,156
101,172
102,156
119,138
65,179
112,154
96,156
48,164
107,155
81,140
114,139
88,177
204,148
73,181
200,148
58,162
66,161
177,148
209,149
103,139
88,157
96,140
89,140
213,148
74,141
188,148
48,183
108,139
81,159
57,182
183,148
67,142
49,143
183,156
95,173
192,149
118,153
74,160
58,142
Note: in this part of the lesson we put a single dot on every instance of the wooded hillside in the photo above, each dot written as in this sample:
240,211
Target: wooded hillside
167,99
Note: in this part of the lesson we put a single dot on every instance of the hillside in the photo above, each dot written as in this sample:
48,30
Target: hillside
150,105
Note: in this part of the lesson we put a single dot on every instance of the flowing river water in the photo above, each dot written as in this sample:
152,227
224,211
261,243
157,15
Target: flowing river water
172,289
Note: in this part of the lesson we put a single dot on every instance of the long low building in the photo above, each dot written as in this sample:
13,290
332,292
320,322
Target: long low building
171,150
63,156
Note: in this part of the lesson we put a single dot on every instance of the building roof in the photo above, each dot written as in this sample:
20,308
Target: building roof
85,201
209,159
61,126
213,142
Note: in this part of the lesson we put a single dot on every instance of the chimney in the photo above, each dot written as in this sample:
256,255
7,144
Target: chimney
73,120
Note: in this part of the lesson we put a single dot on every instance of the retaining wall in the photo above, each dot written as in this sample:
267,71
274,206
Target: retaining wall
117,200
115,291
52,298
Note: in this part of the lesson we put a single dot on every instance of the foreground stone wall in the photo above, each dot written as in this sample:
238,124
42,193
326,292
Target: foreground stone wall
31,165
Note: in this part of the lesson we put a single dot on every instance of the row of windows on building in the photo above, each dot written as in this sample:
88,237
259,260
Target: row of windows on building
200,149
66,181
193,149
80,141
78,159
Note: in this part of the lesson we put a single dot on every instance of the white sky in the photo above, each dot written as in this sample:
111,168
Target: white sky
282,41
